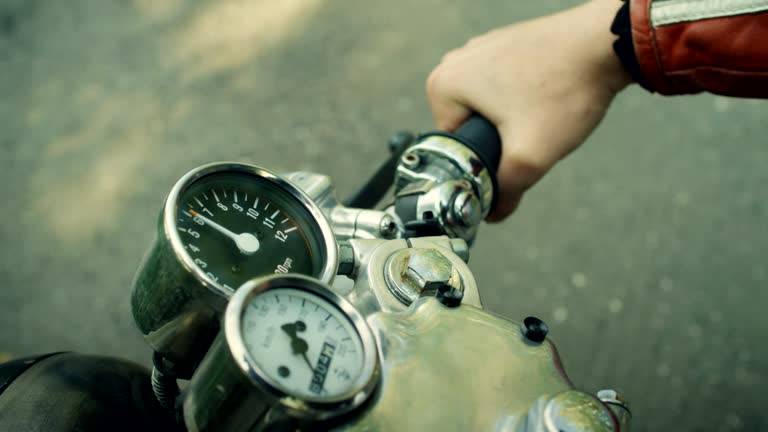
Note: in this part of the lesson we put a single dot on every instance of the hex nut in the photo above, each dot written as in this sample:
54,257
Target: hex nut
427,270
414,272
346,259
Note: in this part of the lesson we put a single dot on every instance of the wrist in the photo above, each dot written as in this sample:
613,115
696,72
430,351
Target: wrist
597,18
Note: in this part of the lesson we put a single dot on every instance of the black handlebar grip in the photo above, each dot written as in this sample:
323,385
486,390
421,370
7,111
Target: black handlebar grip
482,137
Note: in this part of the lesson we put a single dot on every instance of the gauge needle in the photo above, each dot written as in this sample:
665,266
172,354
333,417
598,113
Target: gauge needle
298,345
246,242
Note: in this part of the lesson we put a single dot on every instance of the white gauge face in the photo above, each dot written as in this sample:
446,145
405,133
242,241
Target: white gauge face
304,344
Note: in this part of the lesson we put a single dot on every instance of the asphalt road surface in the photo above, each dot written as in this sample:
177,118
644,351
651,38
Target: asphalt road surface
646,251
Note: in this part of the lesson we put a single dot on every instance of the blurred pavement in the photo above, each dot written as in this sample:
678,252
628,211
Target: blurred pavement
646,251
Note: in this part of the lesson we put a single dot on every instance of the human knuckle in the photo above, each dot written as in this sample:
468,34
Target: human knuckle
452,55
435,81
528,167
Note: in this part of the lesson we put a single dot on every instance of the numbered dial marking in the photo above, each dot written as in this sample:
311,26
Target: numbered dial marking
236,226
303,343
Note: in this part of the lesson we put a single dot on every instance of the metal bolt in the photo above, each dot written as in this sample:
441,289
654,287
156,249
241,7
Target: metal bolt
411,160
387,226
534,329
415,272
346,259
428,270
466,208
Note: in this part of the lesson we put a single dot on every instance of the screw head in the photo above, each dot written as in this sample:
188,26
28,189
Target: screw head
534,329
387,226
410,160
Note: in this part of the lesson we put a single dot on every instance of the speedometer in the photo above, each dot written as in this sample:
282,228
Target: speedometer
303,344
290,347
222,225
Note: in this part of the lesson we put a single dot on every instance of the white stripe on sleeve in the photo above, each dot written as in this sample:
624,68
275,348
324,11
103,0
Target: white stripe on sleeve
665,12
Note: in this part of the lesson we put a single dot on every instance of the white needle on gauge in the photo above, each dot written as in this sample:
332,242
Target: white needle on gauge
246,242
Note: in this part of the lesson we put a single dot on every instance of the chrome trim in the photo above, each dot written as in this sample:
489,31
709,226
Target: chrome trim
331,256
447,170
307,408
347,222
463,158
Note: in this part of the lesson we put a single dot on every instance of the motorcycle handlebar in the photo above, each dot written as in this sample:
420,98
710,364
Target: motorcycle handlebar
481,136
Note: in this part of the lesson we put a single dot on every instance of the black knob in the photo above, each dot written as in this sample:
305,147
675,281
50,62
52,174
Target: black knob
534,329
449,296
400,141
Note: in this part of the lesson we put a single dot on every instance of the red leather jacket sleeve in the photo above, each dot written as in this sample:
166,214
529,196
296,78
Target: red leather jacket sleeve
689,46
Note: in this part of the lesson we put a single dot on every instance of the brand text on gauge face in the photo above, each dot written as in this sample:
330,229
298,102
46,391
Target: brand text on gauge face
321,369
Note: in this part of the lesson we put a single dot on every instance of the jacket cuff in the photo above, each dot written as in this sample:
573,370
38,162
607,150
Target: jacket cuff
690,46
624,47
644,42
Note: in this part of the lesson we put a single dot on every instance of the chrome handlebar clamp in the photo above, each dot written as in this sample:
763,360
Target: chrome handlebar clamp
442,188
347,222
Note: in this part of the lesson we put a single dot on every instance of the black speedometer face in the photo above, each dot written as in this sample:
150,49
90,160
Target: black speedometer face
235,226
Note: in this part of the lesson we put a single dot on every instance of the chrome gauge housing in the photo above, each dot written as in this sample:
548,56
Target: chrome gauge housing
307,219
291,350
341,331
223,224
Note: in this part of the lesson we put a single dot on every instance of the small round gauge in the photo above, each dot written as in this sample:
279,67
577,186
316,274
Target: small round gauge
236,221
303,343
298,339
